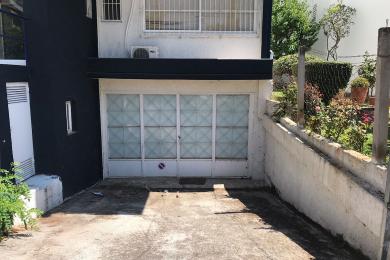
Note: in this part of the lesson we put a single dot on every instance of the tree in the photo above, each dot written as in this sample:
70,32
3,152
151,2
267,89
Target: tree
336,25
293,25
367,70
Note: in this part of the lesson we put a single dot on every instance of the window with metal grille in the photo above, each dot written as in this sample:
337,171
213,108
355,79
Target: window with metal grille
112,10
201,15
12,24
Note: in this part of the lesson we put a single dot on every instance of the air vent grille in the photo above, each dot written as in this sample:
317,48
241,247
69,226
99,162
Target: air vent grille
141,53
17,94
26,169
144,52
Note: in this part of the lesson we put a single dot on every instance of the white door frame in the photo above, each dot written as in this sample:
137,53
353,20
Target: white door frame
129,91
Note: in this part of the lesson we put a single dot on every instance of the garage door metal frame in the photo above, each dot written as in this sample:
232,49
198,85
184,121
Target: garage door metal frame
147,167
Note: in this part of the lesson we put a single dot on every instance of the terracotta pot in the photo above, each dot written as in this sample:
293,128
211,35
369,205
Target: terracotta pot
359,94
371,101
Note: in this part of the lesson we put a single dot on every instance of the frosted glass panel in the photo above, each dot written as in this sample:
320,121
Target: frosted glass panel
196,143
196,127
124,143
196,110
232,127
160,126
160,142
232,110
123,110
160,110
123,116
232,143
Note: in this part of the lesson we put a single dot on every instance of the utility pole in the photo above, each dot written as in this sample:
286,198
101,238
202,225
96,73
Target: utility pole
381,130
301,86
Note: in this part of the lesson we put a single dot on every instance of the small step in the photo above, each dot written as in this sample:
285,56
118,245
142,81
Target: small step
163,183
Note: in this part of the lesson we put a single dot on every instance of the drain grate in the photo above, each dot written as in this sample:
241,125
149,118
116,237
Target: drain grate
192,181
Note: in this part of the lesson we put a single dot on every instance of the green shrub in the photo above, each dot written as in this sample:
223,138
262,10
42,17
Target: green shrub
338,116
284,67
330,77
342,121
367,70
286,64
277,95
356,137
288,102
313,100
313,106
294,24
367,146
360,82
12,203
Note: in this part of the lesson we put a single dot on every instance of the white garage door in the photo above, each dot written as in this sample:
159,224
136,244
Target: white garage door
176,135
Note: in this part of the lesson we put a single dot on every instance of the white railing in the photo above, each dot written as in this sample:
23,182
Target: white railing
238,16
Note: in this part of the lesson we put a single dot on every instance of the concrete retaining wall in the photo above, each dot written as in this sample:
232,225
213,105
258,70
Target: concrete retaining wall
360,165
346,203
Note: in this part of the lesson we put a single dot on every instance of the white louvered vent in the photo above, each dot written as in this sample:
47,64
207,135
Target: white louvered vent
17,94
26,169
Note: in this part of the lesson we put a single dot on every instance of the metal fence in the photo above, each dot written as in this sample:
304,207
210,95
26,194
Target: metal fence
201,15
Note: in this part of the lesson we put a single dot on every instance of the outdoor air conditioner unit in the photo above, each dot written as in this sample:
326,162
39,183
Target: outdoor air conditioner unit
144,52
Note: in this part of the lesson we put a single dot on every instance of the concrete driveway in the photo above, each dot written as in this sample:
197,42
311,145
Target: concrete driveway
160,219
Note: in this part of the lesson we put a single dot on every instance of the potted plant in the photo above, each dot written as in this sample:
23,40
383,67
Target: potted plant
359,88
367,70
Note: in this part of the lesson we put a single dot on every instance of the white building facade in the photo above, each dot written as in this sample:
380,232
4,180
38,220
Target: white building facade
182,85
370,16
217,29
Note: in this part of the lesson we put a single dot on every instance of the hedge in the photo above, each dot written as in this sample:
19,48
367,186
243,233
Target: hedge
283,69
286,64
330,77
